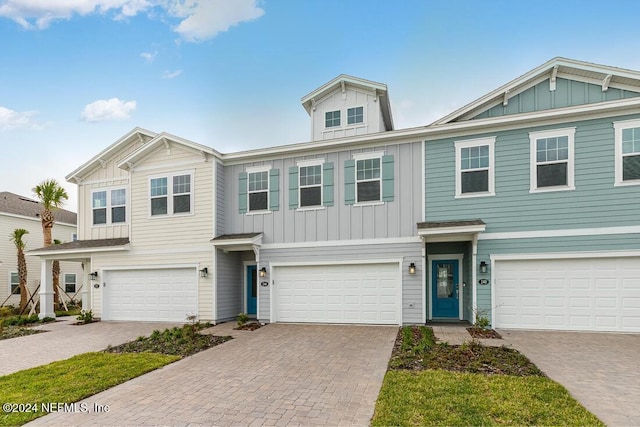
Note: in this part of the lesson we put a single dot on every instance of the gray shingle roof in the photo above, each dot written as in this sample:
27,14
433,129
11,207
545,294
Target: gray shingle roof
19,205
235,236
85,244
455,223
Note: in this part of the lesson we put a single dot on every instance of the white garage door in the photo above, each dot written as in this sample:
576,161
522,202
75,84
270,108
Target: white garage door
364,293
573,294
150,295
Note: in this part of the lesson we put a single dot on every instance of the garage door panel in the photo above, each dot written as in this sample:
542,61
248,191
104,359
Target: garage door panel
341,293
150,295
568,294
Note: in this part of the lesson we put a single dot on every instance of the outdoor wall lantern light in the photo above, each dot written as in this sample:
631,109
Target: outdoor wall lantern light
94,275
263,272
412,268
204,273
483,267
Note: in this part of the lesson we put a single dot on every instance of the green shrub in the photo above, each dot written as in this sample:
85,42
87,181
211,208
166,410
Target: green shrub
85,316
242,319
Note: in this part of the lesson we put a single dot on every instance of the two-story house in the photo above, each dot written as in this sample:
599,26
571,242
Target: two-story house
22,212
518,207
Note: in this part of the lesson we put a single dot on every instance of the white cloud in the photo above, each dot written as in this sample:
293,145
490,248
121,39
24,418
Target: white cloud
205,19
108,109
171,74
40,13
199,19
10,119
149,56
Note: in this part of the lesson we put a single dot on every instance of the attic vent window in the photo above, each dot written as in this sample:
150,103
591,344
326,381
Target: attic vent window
332,119
355,115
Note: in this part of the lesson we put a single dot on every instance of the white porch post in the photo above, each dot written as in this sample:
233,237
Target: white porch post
46,290
86,289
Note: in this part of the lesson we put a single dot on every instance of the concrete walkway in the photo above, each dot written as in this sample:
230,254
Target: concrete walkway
277,375
63,340
457,334
601,370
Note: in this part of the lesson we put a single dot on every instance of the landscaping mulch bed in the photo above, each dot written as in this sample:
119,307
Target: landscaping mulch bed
416,349
179,341
9,332
483,333
252,326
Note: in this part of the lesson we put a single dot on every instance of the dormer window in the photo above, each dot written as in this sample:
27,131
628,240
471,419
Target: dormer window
355,115
332,119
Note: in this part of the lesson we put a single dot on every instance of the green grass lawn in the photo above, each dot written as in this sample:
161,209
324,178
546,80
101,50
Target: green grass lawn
438,397
71,380
435,384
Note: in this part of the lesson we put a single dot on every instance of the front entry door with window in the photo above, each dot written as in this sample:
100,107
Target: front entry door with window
252,289
445,288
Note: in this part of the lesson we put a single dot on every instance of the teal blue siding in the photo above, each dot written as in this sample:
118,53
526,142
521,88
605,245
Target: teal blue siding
568,93
594,203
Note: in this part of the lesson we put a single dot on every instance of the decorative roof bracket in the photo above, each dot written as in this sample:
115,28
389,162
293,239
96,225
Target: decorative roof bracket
344,90
103,163
605,82
552,80
167,146
505,100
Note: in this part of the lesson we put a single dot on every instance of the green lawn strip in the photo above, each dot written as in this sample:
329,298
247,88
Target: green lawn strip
73,379
438,397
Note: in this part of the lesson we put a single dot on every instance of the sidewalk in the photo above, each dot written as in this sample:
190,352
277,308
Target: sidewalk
457,334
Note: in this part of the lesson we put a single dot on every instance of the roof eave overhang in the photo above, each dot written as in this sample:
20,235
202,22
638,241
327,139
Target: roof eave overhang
59,254
450,234
233,245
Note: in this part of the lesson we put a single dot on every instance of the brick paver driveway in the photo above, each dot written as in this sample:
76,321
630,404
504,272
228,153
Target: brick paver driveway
278,375
601,370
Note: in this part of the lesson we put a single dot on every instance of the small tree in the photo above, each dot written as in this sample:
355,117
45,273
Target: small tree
16,238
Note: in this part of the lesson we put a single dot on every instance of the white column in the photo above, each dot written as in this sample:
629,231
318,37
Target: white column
86,291
46,290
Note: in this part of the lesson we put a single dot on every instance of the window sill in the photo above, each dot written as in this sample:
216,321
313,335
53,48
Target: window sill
310,208
627,183
178,215
113,224
552,189
474,195
258,212
360,204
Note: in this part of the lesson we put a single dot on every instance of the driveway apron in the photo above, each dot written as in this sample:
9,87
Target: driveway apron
277,375
601,370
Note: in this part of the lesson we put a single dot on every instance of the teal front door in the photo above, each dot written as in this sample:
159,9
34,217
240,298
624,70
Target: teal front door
252,289
445,288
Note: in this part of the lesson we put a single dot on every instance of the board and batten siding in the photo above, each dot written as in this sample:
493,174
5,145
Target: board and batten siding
178,231
568,93
33,240
595,202
408,252
104,178
336,100
396,218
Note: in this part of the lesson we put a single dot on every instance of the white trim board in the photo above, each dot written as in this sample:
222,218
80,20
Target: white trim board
562,255
599,231
354,242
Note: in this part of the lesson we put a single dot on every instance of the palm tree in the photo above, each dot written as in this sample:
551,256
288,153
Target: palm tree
16,238
52,196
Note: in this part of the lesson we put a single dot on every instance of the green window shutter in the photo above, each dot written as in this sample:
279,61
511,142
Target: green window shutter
387,178
274,189
327,184
349,182
293,187
242,192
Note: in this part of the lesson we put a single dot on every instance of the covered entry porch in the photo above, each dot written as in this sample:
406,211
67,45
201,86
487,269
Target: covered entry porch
452,274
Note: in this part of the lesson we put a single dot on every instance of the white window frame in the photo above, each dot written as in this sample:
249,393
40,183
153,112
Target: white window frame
75,281
170,194
364,115
257,169
108,207
307,163
339,111
17,283
459,145
367,156
533,163
618,128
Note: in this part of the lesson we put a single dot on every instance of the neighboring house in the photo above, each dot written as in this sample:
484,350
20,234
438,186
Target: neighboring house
21,212
520,207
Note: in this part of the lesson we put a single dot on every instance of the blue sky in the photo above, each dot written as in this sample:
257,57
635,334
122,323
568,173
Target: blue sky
76,75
